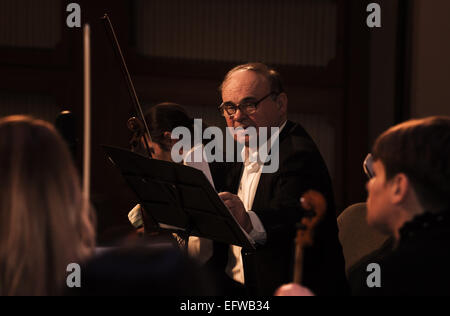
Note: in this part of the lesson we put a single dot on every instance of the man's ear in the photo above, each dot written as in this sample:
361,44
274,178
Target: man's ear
282,102
400,187
168,139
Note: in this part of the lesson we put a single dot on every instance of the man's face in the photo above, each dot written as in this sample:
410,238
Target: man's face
245,85
380,210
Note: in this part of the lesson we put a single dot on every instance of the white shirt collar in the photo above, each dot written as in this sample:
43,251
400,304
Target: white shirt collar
251,161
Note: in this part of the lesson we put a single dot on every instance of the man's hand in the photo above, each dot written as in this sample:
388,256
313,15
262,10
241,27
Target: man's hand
236,207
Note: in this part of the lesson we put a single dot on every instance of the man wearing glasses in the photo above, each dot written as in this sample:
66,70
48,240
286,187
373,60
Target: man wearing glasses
267,204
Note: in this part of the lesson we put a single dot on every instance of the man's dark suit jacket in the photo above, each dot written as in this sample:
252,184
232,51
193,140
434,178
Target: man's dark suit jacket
276,203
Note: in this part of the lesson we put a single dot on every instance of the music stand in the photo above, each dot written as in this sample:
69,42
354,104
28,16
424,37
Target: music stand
178,198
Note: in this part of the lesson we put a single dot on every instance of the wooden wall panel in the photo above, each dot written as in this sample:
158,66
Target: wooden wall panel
30,23
283,32
40,106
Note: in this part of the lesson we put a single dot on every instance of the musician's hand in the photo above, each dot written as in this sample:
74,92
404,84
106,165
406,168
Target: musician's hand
236,207
293,289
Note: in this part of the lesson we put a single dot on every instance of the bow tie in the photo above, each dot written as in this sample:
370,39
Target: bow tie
252,163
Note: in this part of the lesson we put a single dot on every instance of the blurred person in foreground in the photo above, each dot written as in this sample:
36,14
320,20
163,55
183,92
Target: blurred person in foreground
43,225
409,199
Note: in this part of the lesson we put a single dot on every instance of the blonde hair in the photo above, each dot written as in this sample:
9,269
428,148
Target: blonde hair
43,226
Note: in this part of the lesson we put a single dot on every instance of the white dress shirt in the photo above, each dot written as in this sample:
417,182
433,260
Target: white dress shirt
247,191
199,248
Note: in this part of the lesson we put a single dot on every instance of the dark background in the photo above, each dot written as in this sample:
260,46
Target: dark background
345,82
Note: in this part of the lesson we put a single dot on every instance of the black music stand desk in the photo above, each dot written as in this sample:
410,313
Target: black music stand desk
178,198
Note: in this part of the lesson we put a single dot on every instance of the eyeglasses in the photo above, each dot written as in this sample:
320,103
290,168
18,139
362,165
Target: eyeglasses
247,106
368,166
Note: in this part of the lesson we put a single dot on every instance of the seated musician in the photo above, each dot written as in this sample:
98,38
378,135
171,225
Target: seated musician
409,200
162,119
266,204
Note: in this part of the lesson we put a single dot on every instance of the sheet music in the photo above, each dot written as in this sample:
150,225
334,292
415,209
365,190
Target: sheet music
188,160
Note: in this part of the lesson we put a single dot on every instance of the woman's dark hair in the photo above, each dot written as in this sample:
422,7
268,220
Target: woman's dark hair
165,117
421,150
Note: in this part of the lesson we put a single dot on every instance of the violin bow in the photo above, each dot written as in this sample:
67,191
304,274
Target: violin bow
87,116
123,66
